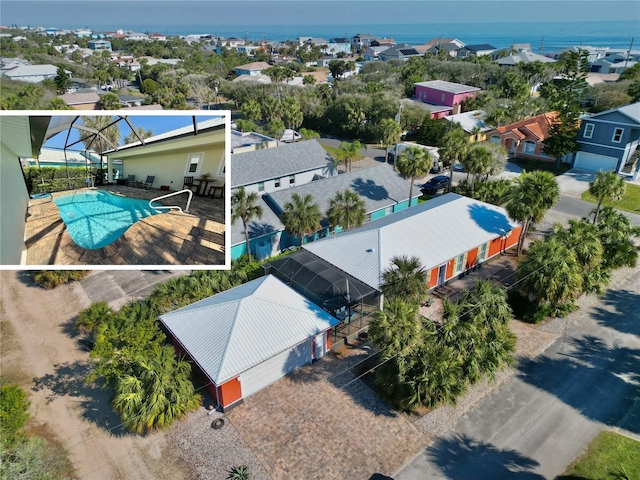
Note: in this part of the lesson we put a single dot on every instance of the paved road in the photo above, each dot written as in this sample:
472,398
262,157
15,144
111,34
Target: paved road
536,423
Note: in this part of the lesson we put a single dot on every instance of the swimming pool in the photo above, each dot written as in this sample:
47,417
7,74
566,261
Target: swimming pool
95,219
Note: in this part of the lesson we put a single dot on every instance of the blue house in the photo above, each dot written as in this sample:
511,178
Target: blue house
609,141
383,190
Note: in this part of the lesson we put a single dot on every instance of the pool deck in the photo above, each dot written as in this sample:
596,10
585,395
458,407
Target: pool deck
172,238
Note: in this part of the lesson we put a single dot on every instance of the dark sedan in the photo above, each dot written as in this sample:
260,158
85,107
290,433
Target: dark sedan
436,183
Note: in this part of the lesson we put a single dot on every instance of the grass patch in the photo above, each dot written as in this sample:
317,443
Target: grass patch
333,151
609,456
529,165
630,202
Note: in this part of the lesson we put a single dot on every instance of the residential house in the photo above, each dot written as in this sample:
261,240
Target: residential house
248,337
607,65
472,123
189,151
262,79
233,42
250,50
252,69
157,37
31,73
449,235
478,50
399,52
21,137
83,33
268,170
610,141
619,54
525,138
361,41
524,57
317,42
372,53
339,45
130,100
242,142
381,188
99,45
593,53
82,100
444,94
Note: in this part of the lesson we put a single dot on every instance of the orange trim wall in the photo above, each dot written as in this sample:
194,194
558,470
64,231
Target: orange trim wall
328,334
472,257
433,280
449,273
230,392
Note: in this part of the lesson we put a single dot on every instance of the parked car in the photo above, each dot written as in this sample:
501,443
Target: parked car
290,136
457,167
436,183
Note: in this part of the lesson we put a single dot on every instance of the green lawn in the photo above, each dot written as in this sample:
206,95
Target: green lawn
608,456
629,203
530,165
333,151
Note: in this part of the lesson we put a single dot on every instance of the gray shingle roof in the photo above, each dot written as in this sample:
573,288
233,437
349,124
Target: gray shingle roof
260,165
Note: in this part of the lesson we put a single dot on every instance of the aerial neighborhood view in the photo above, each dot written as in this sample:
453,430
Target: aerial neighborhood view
320,240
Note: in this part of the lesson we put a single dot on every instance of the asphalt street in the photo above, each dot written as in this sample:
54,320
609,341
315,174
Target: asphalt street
536,423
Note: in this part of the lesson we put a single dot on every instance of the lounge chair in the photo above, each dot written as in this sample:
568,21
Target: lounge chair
149,181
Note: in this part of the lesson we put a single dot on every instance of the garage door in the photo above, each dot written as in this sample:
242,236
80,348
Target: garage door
593,162
271,370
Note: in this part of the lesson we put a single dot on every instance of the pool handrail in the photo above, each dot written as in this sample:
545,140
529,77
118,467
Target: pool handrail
186,210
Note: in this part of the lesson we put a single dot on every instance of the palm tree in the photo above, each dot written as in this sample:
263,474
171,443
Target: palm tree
243,207
396,328
455,146
157,393
91,317
346,209
347,152
550,274
391,132
616,234
301,217
534,193
477,161
292,114
140,133
606,185
414,162
405,279
100,133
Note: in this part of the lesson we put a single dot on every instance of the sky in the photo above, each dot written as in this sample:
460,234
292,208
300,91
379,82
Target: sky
93,13
157,124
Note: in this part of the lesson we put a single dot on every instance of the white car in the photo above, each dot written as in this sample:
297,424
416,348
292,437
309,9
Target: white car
290,136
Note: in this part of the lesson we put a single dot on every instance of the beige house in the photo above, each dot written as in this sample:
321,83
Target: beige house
174,155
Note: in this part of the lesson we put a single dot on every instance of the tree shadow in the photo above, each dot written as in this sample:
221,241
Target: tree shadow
26,278
489,219
625,316
369,189
258,229
68,380
601,382
465,458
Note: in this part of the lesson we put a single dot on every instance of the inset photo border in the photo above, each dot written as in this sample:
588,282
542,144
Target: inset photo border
120,189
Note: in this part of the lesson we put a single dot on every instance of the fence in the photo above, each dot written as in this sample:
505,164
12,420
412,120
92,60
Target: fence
54,179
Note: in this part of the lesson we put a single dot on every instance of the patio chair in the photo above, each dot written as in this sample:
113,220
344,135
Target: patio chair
149,181
216,188
190,184
131,180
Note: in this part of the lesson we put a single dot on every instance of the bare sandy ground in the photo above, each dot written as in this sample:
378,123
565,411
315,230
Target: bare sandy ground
40,352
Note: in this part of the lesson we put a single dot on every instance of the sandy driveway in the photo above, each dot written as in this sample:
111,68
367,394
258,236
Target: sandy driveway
36,338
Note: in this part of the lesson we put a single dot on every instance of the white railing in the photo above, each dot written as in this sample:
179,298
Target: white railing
176,207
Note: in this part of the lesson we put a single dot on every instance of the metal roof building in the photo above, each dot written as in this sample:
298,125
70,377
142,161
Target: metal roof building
248,337
437,232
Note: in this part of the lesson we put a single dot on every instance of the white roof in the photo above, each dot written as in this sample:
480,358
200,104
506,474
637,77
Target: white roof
229,333
434,231
470,120
450,87
203,125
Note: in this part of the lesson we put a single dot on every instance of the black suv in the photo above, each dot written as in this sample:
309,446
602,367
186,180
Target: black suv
436,183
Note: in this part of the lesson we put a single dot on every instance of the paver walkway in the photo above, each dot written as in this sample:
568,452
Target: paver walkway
172,238
315,424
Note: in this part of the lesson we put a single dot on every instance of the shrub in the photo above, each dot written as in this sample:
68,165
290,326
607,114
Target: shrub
13,413
50,279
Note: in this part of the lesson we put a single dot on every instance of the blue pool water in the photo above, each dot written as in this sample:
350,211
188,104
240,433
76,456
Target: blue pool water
95,219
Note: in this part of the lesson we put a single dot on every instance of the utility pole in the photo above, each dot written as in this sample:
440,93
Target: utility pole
626,61
541,49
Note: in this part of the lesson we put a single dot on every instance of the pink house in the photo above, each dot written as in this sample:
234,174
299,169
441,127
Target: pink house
449,94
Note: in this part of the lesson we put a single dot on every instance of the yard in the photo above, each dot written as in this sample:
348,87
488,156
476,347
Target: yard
530,165
609,455
630,202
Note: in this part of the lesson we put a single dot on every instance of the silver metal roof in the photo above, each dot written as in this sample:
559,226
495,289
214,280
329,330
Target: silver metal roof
447,86
259,165
434,231
229,333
